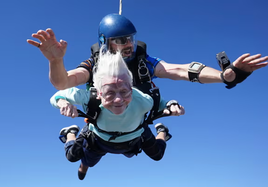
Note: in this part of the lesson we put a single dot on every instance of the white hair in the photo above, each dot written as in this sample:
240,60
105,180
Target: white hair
108,66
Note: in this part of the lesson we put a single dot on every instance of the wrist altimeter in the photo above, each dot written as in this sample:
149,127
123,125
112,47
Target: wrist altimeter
194,70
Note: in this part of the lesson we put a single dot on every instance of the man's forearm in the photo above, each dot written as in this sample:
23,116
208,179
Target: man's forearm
58,75
181,72
210,75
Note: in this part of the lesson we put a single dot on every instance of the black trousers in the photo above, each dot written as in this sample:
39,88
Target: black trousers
92,149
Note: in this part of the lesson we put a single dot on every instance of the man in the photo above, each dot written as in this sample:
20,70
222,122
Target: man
118,33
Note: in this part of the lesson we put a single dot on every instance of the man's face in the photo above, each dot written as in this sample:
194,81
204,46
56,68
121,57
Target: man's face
123,44
115,95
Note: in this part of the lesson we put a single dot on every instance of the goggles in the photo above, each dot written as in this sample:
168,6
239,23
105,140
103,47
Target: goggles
111,95
122,40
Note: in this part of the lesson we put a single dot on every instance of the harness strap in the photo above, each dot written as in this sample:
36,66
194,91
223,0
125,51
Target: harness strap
155,94
95,50
131,147
93,110
114,134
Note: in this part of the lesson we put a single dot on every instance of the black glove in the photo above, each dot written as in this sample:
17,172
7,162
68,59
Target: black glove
240,76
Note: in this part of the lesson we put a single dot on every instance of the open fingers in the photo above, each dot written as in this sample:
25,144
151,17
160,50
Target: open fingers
50,32
251,58
63,43
259,60
34,43
255,62
39,36
241,58
258,65
42,36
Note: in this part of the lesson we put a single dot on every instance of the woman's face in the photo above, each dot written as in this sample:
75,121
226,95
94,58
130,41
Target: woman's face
115,95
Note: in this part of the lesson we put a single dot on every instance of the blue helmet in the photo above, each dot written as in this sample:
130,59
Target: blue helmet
120,31
114,25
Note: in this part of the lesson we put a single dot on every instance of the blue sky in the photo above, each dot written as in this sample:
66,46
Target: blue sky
222,141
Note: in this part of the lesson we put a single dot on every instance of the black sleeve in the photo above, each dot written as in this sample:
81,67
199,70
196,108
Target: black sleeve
88,65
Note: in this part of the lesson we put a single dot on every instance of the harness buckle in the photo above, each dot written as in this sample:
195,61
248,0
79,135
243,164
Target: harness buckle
143,72
85,132
114,136
95,116
154,90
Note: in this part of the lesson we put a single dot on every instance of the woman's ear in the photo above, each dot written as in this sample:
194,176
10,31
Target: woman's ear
98,95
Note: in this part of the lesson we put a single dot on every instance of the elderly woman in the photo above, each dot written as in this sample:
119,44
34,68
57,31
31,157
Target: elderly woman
122,110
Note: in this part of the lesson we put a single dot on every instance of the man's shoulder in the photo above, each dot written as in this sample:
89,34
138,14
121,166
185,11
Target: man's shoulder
153,60
88,64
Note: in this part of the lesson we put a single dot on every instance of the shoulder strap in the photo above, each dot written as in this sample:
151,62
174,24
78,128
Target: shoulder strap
93,109
143,80
95,49
155,94
141,48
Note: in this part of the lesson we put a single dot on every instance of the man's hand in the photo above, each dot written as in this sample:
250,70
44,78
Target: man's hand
49,46
246,63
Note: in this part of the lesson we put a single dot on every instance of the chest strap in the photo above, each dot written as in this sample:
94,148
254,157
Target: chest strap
114,135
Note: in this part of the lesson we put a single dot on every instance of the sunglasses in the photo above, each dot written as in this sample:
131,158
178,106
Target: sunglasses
122,40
